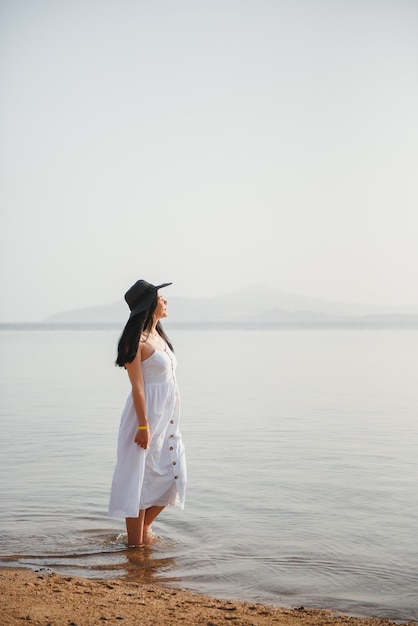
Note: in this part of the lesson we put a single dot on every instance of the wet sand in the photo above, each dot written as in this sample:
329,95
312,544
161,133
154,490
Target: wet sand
49,599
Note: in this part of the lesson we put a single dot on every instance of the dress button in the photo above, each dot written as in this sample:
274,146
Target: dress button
171,448
171,421
175,477
174,463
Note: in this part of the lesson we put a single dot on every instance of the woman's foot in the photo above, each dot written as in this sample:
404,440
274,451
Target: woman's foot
149,536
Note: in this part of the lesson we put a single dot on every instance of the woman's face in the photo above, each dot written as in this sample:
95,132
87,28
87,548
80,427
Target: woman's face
161,308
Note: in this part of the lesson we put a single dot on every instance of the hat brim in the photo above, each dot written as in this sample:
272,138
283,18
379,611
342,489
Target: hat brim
146,301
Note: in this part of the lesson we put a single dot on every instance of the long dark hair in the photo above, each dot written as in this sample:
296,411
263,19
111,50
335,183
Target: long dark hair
134,329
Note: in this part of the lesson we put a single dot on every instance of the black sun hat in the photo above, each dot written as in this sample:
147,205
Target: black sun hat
140,296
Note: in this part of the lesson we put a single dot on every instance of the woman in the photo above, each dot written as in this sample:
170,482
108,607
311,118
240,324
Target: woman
150,470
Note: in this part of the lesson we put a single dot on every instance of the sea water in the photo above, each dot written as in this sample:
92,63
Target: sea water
302,450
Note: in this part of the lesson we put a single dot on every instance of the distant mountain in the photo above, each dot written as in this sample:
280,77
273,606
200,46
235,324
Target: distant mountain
257,303
105,314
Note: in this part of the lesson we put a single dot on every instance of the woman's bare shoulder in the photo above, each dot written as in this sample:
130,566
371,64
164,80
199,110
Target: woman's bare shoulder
145,348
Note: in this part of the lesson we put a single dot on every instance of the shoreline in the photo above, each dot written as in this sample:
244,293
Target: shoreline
45,598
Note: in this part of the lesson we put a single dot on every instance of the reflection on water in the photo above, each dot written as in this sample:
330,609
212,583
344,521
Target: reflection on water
147,564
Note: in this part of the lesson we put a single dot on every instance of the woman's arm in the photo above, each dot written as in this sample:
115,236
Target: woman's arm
134,370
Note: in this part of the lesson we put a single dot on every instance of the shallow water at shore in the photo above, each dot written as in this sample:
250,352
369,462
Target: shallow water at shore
301,445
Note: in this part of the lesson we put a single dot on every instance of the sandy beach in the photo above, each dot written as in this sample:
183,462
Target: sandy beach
48,599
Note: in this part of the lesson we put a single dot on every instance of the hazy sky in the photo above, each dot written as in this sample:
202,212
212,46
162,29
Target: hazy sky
212,143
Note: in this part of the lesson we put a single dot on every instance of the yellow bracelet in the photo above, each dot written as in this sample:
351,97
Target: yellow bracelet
142,427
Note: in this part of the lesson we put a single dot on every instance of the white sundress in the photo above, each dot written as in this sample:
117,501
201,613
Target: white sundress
156,476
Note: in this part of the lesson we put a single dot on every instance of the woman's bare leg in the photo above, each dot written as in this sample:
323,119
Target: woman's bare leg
150,515
135,529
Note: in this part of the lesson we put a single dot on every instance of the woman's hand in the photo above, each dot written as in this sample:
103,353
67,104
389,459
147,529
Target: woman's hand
142,438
